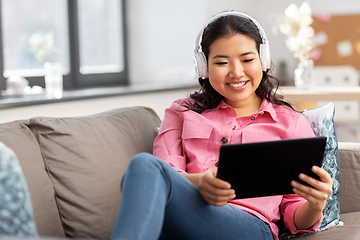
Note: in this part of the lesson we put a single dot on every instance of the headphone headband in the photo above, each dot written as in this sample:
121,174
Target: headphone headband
200,58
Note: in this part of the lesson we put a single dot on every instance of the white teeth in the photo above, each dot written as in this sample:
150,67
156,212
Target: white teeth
237,84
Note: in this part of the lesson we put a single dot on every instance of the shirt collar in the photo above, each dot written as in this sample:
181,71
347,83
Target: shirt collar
266,106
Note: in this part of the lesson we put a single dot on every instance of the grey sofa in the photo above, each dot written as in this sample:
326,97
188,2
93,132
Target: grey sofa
73,168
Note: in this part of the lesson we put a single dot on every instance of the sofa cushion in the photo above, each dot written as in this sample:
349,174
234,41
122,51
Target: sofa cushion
16,215
86,158
18,137
349,231
349,154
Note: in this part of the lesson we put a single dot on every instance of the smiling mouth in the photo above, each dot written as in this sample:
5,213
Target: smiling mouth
237,84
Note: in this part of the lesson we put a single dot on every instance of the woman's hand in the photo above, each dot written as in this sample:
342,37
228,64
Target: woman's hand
320,190
310,212
214,190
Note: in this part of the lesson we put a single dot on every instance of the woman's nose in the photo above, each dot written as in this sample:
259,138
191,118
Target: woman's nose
236,70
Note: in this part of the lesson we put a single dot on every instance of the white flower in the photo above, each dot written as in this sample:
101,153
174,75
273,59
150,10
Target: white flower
295,23
42,44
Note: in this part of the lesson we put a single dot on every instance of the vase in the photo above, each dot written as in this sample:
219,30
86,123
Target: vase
304,78
53,80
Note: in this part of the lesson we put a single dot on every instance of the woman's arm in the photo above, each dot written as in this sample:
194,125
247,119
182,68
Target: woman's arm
309,213
167,145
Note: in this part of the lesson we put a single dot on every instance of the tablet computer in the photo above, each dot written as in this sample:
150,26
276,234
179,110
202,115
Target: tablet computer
267,168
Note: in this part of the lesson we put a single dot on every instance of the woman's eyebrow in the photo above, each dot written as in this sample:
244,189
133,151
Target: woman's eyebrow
247,53
241,55
220,56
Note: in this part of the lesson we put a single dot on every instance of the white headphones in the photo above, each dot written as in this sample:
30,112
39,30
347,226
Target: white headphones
200,58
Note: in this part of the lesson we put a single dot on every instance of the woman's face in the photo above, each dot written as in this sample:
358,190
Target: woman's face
235,70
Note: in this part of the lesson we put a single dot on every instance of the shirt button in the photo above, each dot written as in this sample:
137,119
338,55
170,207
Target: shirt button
217,164
252,118
224,140
234,127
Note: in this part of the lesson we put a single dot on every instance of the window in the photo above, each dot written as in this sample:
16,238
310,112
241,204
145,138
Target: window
85,36
100,36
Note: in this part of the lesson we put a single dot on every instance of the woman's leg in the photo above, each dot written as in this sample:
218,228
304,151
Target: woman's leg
156,200
143,199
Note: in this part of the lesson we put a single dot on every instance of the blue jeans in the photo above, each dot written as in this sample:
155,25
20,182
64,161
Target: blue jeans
159,203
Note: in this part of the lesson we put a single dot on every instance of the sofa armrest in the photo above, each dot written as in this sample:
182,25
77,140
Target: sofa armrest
349,155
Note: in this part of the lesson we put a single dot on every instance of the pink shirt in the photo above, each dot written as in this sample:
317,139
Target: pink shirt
190,142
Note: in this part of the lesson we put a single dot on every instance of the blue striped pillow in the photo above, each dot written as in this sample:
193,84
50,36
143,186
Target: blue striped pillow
322,122
16,215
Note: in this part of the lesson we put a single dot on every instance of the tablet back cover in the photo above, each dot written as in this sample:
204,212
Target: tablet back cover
267,168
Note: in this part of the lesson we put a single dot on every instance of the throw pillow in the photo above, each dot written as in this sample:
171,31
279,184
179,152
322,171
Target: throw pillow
322,123
16,215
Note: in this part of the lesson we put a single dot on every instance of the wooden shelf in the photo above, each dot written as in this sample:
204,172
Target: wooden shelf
334,93
308,99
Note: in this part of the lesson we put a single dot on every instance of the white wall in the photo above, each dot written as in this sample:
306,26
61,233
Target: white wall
161,39
216,6
162,33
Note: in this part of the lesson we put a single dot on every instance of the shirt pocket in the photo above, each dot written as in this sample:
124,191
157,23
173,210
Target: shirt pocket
194,130
195,140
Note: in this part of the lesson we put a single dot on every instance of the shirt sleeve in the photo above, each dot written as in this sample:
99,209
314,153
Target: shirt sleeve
302,128
291,202
288,207
168,144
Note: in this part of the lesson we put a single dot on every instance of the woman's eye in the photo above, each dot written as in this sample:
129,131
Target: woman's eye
221,63
248,60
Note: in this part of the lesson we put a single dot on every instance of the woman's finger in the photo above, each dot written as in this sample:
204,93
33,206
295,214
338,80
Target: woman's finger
211,179
324,185
308,192
211,188
215,191
318,191
214,199
316,201
324,175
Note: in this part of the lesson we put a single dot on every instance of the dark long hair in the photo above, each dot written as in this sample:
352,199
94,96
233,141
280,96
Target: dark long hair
207,98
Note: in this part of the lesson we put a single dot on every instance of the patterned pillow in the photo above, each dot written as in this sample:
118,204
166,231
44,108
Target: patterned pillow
322,122
16,215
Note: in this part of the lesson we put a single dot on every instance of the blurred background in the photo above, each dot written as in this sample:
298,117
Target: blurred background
152,40
111,43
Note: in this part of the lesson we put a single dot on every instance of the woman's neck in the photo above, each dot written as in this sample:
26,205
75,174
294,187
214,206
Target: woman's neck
247,108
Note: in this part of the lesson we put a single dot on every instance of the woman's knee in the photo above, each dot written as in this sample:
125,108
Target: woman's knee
146,162
138,166
145,166
142,159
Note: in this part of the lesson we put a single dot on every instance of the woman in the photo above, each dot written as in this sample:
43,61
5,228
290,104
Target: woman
236,104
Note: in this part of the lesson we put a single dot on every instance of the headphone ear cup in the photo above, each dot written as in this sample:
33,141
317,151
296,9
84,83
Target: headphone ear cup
265,56
201,65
